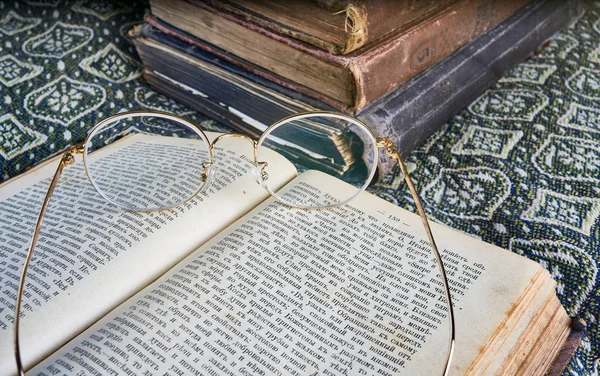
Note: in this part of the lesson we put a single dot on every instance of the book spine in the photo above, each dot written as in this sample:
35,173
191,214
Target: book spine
418,108
397,60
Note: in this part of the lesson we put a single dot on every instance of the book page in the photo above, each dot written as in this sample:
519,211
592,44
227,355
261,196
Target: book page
92,255
347,291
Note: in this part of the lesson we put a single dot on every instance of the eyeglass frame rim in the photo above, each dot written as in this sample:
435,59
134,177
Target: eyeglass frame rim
375,144
381,142
129,114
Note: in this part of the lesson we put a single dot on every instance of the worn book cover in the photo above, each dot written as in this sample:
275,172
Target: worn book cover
338,28
356,79
408,114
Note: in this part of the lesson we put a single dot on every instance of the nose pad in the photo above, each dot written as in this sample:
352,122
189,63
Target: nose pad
261,174
210,172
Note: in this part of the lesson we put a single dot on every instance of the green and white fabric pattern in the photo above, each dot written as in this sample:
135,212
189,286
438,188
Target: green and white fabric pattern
63,66
520,167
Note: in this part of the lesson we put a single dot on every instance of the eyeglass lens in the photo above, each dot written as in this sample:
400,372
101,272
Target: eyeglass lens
330,143
159,162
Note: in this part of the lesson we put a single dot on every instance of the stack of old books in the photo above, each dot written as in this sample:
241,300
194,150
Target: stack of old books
403,67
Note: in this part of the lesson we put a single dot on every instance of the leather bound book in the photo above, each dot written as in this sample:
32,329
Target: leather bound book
356,79
408,114
416,109
339,28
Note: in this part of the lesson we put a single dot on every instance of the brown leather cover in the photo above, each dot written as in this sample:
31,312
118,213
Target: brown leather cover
375,70
379,69
578,331
385,16
335,28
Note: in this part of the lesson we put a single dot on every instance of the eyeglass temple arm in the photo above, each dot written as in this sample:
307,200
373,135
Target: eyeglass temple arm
392,151
66,160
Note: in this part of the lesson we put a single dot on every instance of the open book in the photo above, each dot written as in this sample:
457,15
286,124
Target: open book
235,283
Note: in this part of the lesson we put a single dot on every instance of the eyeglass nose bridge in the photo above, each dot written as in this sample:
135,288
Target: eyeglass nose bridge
260,173
234,135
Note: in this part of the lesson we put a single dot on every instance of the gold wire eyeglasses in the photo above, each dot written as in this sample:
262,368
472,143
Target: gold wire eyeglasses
177,162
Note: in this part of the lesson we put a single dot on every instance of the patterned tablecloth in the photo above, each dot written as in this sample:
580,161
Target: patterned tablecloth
520,167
